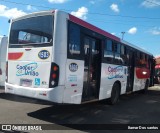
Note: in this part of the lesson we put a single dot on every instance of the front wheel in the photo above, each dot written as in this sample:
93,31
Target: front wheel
115,94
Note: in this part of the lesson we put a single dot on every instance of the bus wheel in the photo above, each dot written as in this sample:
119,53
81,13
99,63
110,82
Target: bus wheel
115,94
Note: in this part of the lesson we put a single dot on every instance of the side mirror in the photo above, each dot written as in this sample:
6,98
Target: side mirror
9,21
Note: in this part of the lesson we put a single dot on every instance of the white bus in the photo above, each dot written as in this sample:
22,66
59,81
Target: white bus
55,56
3,52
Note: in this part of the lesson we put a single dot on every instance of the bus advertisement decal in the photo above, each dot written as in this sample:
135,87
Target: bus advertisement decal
72,78
15,56
114,72
28,69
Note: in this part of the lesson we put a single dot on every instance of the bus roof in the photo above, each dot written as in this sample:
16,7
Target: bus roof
34,14
84,24
106,34
136,47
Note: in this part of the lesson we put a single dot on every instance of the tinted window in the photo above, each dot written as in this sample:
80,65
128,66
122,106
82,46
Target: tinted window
32,30
117,50
108,51
109,45
141,60
124,55
74,39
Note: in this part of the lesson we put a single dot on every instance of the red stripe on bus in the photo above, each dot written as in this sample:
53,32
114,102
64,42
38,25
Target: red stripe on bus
15,56
92,27
157,66
142,73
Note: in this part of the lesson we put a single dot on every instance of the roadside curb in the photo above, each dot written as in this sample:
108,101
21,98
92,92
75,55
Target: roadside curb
155,87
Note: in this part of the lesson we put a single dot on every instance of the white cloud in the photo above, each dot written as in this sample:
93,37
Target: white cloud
57,1
132,30
155,31
92,2
114,7
31,8
81,13
113,33
10,12
150,3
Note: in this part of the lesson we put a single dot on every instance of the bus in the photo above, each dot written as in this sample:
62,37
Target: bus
157,70
55,56
3,52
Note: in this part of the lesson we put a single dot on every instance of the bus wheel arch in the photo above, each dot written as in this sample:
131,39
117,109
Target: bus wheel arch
146,86
115,93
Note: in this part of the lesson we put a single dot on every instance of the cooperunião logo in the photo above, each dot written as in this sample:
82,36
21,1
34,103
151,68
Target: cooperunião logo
28,69
115,72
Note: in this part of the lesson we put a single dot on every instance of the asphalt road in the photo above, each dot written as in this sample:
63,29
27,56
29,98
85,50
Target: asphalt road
134,108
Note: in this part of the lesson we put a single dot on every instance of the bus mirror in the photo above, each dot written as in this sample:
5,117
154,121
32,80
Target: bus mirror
9,21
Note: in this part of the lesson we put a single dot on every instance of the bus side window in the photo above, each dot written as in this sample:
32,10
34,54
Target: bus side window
74,45
117,50
147,61
143,61
138,58
124,55
109,51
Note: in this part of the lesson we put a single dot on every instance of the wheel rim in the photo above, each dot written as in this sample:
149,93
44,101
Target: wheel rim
115,95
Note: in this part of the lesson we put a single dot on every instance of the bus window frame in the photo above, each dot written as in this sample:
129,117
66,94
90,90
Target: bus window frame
30,45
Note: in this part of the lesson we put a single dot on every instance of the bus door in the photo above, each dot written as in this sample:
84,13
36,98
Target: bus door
152,64
131,65
92,68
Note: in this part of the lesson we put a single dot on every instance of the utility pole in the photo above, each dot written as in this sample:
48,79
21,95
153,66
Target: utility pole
123,34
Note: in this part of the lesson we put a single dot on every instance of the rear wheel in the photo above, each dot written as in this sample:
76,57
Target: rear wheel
115,94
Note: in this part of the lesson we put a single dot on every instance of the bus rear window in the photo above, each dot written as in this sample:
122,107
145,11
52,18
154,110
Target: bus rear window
35,32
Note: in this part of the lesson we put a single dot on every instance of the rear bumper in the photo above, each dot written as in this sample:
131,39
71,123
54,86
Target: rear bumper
49,94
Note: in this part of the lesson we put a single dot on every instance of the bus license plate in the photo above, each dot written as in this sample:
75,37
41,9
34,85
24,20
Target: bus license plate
25,82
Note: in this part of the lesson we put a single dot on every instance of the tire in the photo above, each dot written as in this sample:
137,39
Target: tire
115,94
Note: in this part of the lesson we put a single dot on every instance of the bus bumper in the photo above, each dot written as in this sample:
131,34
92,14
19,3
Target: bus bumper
50,94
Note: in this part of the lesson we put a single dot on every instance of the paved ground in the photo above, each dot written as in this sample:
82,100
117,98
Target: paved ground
135,108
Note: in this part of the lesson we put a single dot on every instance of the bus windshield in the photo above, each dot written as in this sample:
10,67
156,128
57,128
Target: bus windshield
34,31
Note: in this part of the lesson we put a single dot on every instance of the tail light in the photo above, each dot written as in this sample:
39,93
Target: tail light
54,75
0,71
7,71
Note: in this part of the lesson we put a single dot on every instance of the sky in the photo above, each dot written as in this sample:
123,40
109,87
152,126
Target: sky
139,19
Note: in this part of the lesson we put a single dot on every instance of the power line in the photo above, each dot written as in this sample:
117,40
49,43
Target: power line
94,13
119,22
25,4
